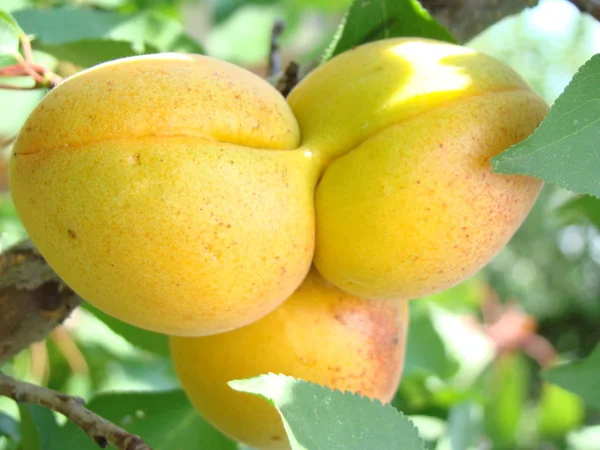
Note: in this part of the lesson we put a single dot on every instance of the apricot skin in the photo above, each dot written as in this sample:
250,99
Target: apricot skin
408,205
319,334
166,191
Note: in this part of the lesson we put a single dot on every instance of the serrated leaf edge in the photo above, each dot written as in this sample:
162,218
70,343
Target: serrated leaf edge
234,383
328,53
506,155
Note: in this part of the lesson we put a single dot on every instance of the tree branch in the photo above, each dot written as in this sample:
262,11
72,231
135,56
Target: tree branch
288,79
591,7
464,18
99,429
467,18
274,67
33,299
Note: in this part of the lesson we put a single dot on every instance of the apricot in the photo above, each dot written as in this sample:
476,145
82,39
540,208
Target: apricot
166,190
320,334
408,204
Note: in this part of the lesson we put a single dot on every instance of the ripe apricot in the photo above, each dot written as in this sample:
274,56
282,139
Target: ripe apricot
165,190
174,192
320,334
408,204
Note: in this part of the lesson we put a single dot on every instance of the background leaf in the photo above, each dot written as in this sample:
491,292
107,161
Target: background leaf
147,340
9,427
351,421
425,352
223,9
88,36
565,149
584,208
506,391
580,377
165,420
9,35
559,412
89,52
463,426
371,20
39,430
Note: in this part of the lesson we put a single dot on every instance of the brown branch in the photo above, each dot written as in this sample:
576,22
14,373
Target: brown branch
286,82
467,18
33,299
274,66
99,429
464,18
591,7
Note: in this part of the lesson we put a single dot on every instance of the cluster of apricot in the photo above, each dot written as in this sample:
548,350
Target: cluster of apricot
185,195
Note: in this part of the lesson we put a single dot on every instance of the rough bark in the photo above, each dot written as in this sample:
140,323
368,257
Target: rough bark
467,18
33,299
100,430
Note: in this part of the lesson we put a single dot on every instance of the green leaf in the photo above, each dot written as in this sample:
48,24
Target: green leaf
506,392
22,103
39,430
580,377
564,149
315,417
425,352
581,209
89,36
324,5
89,52
165,420
147,340
9,427
463,426
9,35
372,20
9,19
559,412
75,24
223,9
159,31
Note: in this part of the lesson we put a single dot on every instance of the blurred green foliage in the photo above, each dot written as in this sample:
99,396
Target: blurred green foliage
459,391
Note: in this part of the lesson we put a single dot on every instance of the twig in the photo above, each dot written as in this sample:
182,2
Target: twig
27,50
99,429
513,330
464,18
540,350
274,50
26,66
288,79
16,70
467,18
31,71
67,346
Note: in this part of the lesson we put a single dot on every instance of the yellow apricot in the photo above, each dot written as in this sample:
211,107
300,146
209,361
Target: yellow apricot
408,204
166,191
320,334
